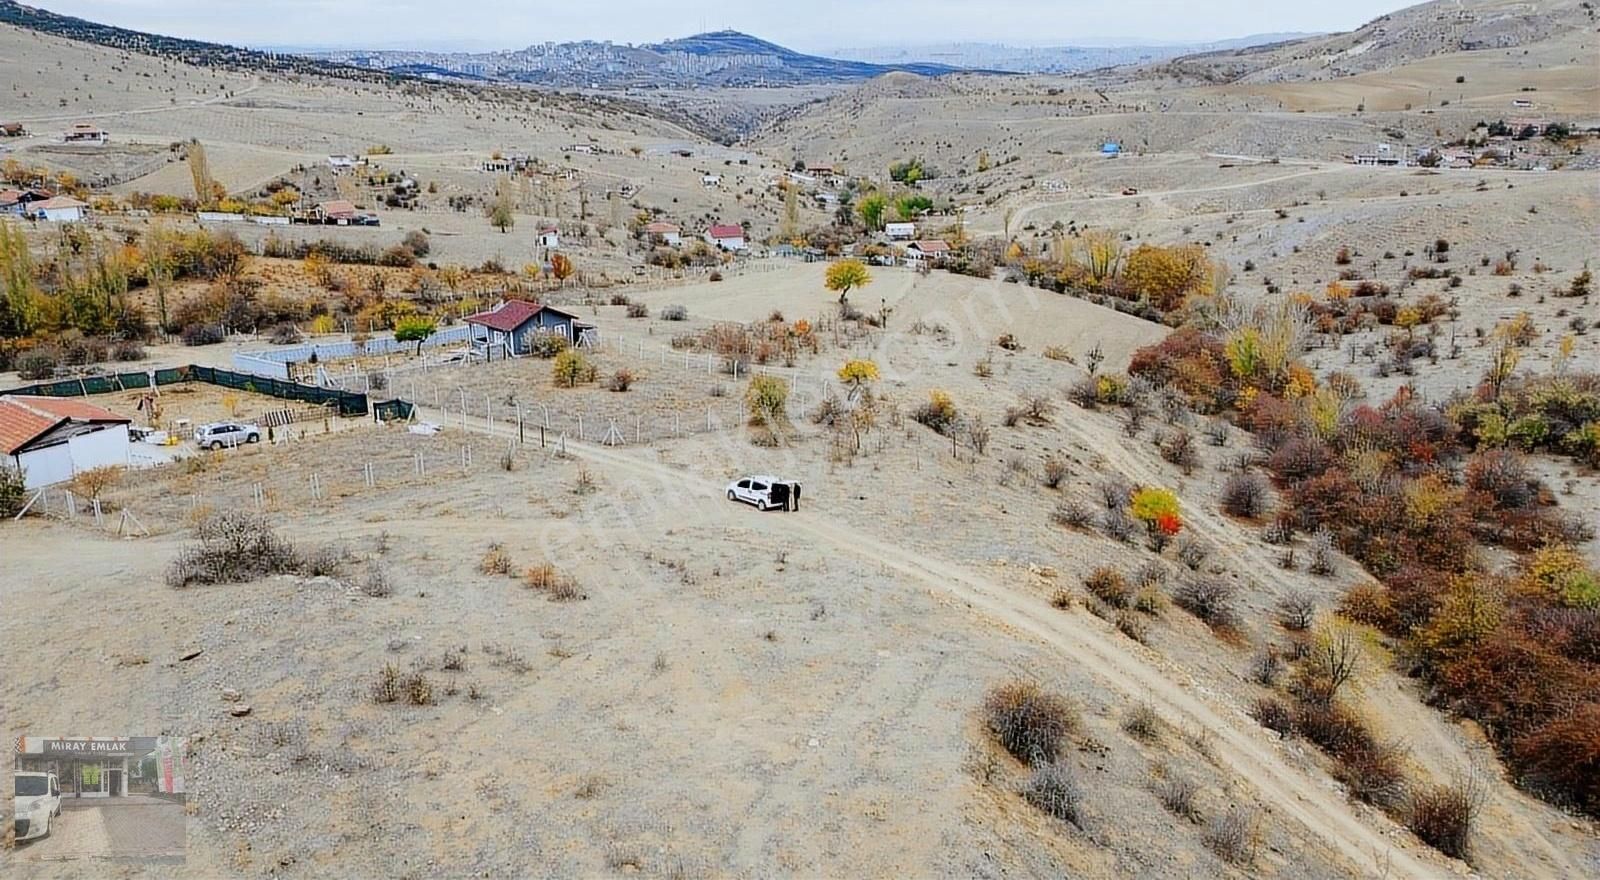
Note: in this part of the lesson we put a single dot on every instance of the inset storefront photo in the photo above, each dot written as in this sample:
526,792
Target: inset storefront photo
100,797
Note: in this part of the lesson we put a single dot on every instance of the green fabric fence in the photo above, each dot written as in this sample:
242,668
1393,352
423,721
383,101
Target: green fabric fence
349,403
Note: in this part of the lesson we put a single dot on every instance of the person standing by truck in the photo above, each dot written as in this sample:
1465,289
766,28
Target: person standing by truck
794,496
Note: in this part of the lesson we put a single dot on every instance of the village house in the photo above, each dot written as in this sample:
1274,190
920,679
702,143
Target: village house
826,175
50,439
664,233
86,133
1528,126
900,231
927,252
580,148
506,164
726,236
61,209
1110,150
549,237
1381,155
12,129
710,179
514,326
16,201
343,212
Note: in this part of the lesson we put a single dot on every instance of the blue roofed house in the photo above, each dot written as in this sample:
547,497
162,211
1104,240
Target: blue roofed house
515,325
1110,149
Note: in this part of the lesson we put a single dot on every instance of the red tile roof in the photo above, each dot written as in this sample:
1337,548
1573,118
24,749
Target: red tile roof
931,246
338,208
725,230
506,317
24,418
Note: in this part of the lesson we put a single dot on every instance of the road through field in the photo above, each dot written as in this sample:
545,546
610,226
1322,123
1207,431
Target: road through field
1244,749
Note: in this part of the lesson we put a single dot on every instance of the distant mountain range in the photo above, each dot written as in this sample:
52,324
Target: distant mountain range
1049,59
721,58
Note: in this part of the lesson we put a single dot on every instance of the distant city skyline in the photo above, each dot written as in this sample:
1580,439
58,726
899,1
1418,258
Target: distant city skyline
818,26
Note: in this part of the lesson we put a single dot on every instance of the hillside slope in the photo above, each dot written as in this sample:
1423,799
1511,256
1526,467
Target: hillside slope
1411,34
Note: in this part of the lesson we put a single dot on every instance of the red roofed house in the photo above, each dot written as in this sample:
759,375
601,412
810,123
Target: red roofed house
52,438
727,236
16,201
550,237
927,251
516,324
343,212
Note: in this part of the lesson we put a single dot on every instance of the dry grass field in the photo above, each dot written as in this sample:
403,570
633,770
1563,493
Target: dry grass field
495,656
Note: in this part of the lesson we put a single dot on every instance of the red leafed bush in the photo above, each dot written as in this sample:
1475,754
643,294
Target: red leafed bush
1563,756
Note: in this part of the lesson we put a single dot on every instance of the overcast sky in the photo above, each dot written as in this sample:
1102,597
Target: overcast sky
809,26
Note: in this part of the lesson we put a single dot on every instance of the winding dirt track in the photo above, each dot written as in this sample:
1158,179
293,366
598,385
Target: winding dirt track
1243,749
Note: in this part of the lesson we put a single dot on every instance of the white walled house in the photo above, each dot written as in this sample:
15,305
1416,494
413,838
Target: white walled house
727,236
666,233
61,209
50,439
900,231
550,237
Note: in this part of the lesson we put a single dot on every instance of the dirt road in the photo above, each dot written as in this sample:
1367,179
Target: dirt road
1240,745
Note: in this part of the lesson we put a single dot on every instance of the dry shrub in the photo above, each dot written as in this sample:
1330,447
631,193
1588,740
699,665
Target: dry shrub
1274,715
1234,836
1297,611
376,583
1192,552
1210,599
1177,447
1117,525
1443,815
495,560
1142,722
1374,772
1072,513
622,380
1109,586
1132,626
1028,721
555,584
1178,794
1053,788
1055,470
1244,495
387,688
418,689
233,547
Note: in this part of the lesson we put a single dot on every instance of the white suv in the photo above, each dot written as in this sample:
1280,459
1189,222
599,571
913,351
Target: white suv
219,434
38,801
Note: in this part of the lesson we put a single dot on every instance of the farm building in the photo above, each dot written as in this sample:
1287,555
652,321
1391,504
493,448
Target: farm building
61,209
900,231
515,325
727,236
86,133
343,212
665,233
550,237
50,438
17,201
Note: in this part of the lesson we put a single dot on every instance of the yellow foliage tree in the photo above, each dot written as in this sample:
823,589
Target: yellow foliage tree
845,275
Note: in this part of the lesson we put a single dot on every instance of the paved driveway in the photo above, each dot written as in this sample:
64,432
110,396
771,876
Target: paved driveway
134,829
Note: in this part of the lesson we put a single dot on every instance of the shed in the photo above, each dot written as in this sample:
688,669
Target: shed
50,439
550,237
1110,149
